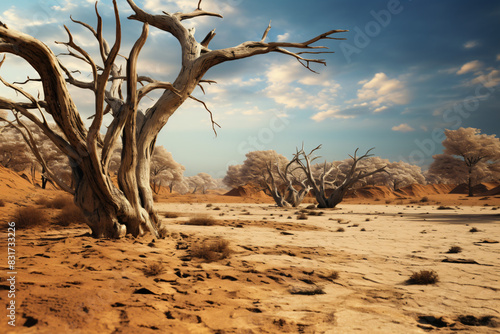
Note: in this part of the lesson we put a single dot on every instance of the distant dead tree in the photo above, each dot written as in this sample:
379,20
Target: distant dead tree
475,151
115,210
337,188
203,181
252,171
164,170
282,183
16,154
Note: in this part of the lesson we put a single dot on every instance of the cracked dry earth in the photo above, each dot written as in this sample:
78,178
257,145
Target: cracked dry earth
280,277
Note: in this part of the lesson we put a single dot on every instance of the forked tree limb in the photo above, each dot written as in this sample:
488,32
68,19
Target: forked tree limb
214,123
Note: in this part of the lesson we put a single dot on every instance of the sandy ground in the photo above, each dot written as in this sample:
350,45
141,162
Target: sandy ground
68,282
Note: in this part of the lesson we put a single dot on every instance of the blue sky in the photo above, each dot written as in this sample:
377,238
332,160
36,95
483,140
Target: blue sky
408,70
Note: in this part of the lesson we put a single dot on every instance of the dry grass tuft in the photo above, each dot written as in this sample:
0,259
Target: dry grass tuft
307,290
2,203
442,207
455,249
333,275
70,214
212,250
170,215
57,203
154,269
340,229
424,199
201,221
473,230
29,217
302,216
423,277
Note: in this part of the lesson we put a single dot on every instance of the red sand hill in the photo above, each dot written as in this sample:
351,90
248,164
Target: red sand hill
478,189
13,186
247,191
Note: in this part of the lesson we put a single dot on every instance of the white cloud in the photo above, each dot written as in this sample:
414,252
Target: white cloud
381,92
13,17
252,112
470,67
284,37
471,44
187,6
380,109
67,6
286,83
331,113
403,128
489,80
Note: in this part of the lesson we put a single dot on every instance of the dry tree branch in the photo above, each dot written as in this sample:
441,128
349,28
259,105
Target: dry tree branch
264,36
86,56
208,39
31,142
210,112
205,81
142,92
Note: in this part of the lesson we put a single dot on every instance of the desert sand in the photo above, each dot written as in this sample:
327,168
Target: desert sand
343,270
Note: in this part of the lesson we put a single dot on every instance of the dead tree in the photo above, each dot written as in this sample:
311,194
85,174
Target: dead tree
113,211
284,190
321,187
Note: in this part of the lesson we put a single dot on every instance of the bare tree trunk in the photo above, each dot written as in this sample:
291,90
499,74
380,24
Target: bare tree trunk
469,181
129,208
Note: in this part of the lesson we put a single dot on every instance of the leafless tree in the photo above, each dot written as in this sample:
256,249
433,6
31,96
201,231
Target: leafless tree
252,171
397,174
16,154
201,181
449,169
321,186
473,148
114,211
282,183
164,170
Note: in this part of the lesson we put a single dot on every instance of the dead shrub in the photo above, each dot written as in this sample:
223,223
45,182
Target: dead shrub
307,290
488,321
423,277
70,215
333,275
454,249
201,221
311,207
154,269
424,199
340,229
29,217
473,230
442,207
57,203
2,203
170,215
212,250
302,216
